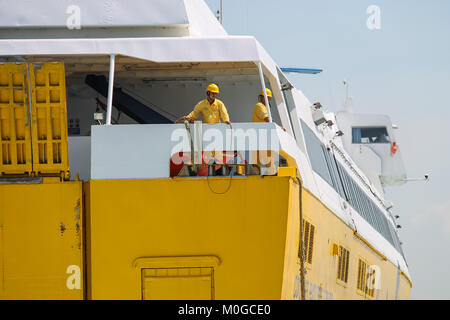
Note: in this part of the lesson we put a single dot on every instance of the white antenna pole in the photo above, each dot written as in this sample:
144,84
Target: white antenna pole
112,61
346,90
348,101
221,12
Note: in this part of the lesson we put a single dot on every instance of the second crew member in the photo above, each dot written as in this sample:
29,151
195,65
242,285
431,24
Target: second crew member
260,110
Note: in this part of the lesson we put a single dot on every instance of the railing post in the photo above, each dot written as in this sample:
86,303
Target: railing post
263,85
112,61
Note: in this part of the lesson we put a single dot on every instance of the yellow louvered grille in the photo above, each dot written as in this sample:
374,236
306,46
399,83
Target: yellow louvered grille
371,287
339,268
342,272
347,259
308,242
301,250
361,275
366,279
366,274
306,234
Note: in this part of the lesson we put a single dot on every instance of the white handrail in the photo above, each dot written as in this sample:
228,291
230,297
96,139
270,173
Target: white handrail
263,85
112,61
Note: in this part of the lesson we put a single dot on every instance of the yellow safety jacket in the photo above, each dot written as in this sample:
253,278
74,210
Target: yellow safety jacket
259,112
211,113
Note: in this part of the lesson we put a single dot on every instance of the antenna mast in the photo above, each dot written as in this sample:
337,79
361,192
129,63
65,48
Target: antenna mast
348,103
219,13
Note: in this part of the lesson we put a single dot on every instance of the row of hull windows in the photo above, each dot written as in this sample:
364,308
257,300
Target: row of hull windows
325,165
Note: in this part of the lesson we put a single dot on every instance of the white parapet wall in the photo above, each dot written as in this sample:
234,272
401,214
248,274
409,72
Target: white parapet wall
144,151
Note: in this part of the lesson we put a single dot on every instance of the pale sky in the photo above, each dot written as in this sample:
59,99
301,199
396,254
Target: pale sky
402,70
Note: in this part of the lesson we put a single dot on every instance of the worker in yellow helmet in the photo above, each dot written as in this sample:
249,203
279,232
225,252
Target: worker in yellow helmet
260,114
260,110
211,109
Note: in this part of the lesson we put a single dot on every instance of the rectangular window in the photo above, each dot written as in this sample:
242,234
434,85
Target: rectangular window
332,168
288,99
370,135
316,155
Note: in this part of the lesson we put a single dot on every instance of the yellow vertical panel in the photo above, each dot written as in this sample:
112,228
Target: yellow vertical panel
4,79
54,96
41,246
50,141
87,240
15,133
249,235
19,95
2,254
18,78
40,79
4,93
291,260
54,77
40,96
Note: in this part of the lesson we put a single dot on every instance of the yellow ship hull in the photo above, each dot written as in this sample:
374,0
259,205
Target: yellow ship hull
181,238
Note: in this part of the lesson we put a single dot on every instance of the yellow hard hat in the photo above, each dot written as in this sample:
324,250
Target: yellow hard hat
268,92
213,88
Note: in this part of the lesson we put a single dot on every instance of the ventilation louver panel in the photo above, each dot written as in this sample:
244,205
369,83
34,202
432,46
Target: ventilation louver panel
308,242
343,264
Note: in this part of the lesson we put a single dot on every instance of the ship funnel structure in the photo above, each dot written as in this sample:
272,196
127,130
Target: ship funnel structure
371,142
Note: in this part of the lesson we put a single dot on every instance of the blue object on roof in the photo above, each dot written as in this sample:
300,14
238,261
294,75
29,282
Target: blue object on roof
302,70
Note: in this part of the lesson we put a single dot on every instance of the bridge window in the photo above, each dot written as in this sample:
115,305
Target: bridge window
316,154
370,135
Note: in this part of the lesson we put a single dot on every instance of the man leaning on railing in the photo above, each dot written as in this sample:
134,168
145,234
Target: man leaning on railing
211,109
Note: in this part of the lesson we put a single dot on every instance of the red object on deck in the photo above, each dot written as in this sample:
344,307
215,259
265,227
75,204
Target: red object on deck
176,162
394,147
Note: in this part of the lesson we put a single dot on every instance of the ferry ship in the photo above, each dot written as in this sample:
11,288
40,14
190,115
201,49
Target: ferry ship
103,196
